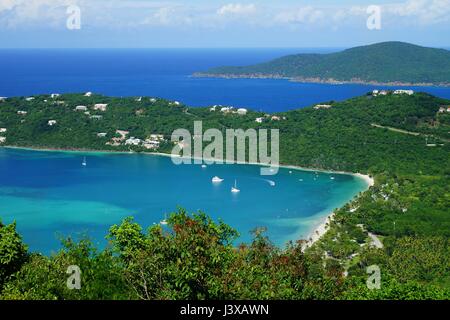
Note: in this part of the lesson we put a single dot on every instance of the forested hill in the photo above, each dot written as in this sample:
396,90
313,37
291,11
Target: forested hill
387,62
400,139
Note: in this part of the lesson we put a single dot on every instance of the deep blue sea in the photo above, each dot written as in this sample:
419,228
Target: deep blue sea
50,194
166,73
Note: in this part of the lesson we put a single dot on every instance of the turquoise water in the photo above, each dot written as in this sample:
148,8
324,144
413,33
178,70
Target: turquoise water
50,194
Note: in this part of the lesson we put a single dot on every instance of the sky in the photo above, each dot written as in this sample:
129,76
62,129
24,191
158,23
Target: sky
221,23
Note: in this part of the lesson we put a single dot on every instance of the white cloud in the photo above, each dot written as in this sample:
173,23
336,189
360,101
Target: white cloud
423,12
237,9
302,15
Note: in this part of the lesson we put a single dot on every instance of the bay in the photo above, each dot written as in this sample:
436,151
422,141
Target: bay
50,194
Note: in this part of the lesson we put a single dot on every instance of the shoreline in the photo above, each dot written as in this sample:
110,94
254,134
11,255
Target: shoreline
317,230
317,80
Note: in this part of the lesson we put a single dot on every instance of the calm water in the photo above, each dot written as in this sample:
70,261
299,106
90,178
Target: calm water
166,73
51,194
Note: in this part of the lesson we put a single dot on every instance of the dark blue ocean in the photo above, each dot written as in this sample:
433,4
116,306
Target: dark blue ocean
166,73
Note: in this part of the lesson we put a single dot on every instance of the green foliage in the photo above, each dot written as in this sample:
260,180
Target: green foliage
13,253
391,289
45,278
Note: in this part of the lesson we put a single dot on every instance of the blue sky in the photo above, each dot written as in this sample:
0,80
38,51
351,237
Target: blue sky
221,23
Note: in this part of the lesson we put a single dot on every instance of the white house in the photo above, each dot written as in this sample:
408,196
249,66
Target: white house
133,141
408,92
21,112
242,111
3,130
80,108
213,108
2,139
96,117
226,109
152,100
101,134
156,137
100,106
276,118
29,99
322,106
259,120
3,99
54,95
51,122
88,94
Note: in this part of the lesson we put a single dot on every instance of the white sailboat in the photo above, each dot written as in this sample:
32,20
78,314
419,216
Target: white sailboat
216,179
84,163
164,221
203,165
235,189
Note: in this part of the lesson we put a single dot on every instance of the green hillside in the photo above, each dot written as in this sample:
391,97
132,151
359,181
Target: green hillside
401,140
387,62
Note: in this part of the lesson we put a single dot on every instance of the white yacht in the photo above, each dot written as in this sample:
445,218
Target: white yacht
216,179
84,163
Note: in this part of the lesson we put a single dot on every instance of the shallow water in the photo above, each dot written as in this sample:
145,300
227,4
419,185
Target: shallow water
51,194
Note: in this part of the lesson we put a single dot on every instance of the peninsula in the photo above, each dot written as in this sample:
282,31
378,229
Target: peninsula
387,63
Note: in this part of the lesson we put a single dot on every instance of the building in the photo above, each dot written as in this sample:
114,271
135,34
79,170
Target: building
408,92
3,130
213,108
88,94
22,113
100,106
101,134
51,122
259,120
226,109
96,117
133,141
29,99
2,139
442,109
122,133
276,118
80,108
152,100
54,95
242,111
3,99
157,137
322,106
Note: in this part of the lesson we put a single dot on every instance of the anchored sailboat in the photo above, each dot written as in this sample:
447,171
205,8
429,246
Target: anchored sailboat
235,188
84,163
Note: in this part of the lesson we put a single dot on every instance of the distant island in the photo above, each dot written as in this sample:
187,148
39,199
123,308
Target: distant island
387,63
